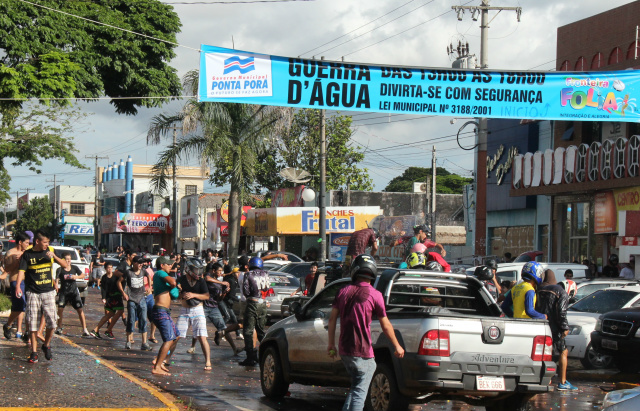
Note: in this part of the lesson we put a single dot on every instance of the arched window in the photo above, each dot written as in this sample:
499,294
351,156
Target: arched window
615,56
631,51
580,64
564,66
597,61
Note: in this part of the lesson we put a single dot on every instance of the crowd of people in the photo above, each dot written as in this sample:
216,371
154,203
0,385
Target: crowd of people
140,295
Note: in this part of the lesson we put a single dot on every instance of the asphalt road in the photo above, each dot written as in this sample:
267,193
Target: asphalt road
232,387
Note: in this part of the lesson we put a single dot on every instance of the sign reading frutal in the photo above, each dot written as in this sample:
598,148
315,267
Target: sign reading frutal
243,77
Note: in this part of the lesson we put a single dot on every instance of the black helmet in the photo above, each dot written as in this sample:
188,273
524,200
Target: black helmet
433,266
491,263
195,267
364,265
613,259
146,257
483,273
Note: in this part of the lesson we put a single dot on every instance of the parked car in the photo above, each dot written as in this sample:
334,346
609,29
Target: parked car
76,260
617,333
583,316
461,349
529,256
281,287
622,400
511,271
587,287
271,265
291,257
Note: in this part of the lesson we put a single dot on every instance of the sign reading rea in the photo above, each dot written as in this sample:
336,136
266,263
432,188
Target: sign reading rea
79,229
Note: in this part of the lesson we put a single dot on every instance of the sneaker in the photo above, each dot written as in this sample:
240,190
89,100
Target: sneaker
19,336
86,333
249,362
25,338
109,335
47,352
566,386
216,338
96,334
127,345
33,358
58,331
191,350
7,331
146,347
240,337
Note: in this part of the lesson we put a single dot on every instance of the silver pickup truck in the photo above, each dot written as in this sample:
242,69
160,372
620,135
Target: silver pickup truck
458,345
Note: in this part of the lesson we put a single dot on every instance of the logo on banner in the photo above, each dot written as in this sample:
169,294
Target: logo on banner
236,63
238,75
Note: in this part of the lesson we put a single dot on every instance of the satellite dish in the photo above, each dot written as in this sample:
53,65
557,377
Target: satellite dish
295,175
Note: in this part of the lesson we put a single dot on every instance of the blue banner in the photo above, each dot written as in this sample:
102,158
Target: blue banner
242,77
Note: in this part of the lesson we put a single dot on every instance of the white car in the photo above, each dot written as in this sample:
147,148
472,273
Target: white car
583,315
590,286
511,271
76,260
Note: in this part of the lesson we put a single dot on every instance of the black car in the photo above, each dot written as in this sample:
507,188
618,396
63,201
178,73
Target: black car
617,334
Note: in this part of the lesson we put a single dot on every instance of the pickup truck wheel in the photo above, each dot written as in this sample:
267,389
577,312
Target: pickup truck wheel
593,360
383,391
271,377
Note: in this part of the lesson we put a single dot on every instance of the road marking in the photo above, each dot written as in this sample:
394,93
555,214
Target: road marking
151,389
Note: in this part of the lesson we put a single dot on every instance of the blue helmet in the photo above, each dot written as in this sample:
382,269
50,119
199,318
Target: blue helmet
255,262
533,270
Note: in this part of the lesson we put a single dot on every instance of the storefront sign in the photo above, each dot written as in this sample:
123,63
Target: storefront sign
189,216
305,220
339,244
136,223
79,229
618,158
503,168
245,77
288,197
605,212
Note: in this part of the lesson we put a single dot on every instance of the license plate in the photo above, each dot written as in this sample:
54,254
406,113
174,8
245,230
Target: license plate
490,383
610,344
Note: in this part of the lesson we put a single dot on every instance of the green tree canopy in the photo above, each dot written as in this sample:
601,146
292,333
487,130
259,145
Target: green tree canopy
299,147
38,215
48,54
446,182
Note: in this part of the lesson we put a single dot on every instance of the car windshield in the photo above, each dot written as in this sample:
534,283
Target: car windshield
604,301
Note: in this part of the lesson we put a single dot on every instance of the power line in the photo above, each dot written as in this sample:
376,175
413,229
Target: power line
234,2
356,29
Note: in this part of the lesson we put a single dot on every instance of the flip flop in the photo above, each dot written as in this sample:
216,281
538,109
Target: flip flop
153,340
208,368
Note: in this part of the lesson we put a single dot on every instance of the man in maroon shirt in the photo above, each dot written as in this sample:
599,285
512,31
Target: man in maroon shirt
355,304
358,244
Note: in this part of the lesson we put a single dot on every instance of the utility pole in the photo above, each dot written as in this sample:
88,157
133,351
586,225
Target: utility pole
175,195
323,186
96,202
433,195
55,196
481,175
4,212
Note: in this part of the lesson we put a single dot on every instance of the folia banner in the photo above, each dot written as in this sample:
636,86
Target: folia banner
243,77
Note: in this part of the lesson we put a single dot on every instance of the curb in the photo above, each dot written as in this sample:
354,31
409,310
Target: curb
600,376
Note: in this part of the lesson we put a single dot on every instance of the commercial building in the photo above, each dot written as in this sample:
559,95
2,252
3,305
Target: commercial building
75,206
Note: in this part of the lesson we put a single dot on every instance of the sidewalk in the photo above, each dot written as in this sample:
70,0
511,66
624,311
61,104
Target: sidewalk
74,379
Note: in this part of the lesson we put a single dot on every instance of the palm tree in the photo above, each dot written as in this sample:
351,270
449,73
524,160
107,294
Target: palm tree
228,137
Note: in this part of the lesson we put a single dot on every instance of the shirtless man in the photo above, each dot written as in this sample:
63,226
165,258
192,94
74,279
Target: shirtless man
18,305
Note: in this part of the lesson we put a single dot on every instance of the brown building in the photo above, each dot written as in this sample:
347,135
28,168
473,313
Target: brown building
592,171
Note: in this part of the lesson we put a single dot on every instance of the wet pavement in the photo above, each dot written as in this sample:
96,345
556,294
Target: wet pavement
71,379
232,387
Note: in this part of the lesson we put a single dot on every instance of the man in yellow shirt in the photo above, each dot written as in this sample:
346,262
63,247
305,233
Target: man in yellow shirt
522,297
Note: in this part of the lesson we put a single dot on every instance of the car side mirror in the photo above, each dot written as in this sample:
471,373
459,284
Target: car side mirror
296,309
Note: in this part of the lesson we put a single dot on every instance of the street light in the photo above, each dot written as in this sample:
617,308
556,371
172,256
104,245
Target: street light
308,194
165,213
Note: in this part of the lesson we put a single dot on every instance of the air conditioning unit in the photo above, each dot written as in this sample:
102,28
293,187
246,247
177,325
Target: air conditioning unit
419,187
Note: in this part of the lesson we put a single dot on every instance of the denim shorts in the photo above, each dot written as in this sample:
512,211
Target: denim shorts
215,316
161,317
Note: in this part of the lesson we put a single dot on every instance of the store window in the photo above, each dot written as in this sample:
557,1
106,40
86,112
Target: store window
577,236
76,208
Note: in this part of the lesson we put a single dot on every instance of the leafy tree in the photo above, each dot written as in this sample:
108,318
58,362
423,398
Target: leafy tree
446,182
226,136
39,132
38,215
299,147
47,54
